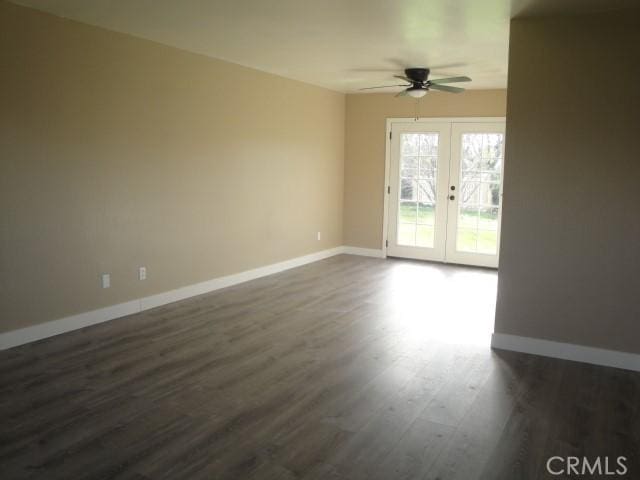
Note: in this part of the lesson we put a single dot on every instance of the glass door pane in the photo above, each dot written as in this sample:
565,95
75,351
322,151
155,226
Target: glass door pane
418,189
480,179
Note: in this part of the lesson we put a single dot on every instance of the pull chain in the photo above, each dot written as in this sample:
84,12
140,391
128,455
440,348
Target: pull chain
417,109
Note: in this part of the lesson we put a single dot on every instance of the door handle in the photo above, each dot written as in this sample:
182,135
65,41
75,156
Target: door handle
452,197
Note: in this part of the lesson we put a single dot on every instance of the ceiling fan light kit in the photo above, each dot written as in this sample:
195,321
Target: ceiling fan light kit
419,84
417,92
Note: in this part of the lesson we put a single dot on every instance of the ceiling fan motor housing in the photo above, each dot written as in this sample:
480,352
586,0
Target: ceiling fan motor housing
417,75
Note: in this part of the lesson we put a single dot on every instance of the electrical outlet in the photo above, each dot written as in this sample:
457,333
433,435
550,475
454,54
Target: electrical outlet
106,280
319,235
142,273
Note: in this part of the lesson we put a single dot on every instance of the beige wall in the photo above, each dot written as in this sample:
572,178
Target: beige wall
365,149
570,256
117,152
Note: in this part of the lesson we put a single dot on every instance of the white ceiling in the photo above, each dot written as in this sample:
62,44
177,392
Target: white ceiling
339,44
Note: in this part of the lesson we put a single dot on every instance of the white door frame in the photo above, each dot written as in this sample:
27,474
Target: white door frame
387,160
437,251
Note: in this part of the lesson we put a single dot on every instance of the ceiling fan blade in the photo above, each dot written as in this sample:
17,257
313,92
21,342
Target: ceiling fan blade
384,86
402,77
401,94
446,88
450,80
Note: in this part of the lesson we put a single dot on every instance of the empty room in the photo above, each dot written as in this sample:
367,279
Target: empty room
296,240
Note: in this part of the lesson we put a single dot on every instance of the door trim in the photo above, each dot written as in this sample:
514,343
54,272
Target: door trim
387,160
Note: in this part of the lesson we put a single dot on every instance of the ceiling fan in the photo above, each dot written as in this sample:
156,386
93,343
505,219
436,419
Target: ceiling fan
419,84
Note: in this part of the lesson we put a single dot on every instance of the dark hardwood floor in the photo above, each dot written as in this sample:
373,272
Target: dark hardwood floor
349,368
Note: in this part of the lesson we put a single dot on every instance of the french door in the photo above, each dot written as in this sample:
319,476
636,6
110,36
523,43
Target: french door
445,191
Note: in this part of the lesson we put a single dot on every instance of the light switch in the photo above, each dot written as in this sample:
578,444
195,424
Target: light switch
106,280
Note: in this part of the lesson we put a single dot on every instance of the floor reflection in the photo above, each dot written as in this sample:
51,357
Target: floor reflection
447,303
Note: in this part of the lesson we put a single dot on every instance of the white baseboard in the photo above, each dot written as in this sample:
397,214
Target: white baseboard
81,320
56,327
364,252
566,351
229,280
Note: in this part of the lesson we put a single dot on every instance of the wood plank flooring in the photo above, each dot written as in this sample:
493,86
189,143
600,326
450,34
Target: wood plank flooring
348,368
